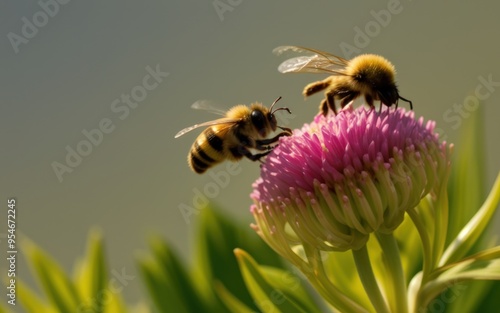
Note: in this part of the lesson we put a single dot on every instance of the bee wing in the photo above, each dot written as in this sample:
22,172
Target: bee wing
207,106
315,61
224,120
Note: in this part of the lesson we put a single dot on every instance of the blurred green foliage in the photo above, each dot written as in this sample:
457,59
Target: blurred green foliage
235,271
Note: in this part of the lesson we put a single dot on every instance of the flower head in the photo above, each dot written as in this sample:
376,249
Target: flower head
344,176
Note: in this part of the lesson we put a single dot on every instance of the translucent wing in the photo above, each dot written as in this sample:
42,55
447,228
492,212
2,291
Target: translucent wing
315,61
224,120
208,106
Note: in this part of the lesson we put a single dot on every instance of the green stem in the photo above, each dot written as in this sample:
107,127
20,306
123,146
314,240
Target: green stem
441,215
426,243
365,272
398,298
316,274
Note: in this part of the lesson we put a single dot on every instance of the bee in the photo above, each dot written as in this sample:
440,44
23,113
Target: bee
230,137
369,75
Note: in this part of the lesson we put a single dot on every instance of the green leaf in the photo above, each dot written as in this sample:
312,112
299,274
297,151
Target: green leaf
272,289
91,277
115,304
485,255
474,228
489,301
232,303
55,283
216,238
290,285
3,309
90,291
468,175
168,283
481,266
30,301
475,292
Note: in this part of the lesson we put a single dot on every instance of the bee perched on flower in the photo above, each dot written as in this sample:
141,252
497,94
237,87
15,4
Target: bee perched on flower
341,178
368,75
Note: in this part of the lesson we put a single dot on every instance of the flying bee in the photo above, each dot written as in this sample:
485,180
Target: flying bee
230,138
369,75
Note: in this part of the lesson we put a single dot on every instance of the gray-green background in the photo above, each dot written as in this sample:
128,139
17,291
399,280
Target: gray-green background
65,78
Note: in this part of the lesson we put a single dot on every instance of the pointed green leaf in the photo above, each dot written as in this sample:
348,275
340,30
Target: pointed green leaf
476,292
30,301
270,295
233,304
489,301
55,283
91,277
216,238
168,283
485,255
469,235
114,304
161,291
3,309
481,266
466,187
290,285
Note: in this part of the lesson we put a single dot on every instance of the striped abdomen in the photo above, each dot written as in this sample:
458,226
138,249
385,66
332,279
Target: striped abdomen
207,150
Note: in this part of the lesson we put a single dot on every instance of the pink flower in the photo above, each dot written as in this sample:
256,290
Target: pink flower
344,176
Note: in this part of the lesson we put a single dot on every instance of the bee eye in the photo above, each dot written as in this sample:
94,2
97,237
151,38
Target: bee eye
258,119
272,119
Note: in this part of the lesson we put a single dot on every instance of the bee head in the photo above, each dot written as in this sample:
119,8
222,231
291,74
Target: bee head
260,122
264,120
389,95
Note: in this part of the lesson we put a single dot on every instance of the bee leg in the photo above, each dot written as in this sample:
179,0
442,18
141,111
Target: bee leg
350,96
369,101
286,130
328,103
323,108
261,144
313,88
256,157
242,151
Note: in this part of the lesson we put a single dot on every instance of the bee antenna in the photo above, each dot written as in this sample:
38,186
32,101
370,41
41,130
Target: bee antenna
271,107
278,109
